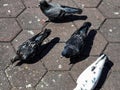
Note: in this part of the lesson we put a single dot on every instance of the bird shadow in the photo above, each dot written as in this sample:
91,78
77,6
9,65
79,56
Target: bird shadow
42,52
86,49
108,65
70,18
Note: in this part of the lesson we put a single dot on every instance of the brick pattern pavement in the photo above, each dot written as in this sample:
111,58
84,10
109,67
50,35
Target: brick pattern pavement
21,19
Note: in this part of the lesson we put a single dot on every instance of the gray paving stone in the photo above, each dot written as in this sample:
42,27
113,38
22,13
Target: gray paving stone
79,67
110,30
110,8
87,3
4,83
11,8
93,16
112,51
56,81
99,44
95,43
6,54
22,88
113,82
31,19
54,61
62,30
25,76
32,3
65,2
9,28
25,35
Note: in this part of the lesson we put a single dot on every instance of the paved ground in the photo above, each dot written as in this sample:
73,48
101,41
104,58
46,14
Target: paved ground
21,19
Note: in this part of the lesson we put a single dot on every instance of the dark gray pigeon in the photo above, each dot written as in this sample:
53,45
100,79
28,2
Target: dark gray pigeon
75,44
29,48
56,11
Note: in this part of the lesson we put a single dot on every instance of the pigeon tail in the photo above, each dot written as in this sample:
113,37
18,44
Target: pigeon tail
84,29
44,35
71,10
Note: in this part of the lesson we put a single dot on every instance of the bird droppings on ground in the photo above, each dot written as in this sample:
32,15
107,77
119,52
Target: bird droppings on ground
45,83
4,5
38,20
28,86
110,30
31,32
61,56
16,40
30,22
72,25
7,46
53,80
60,75
42,86
59,66
116,13
26,67
83,5
9,11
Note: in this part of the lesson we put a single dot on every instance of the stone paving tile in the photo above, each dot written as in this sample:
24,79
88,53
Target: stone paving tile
11,8
110,8
110,30
113,52
79,67
54,61
93,16
8,29
6,54
29,88
56,81
87,3
95,43
4,83
32,3
62,30
65,2
25,76
113,82
25,35
31,19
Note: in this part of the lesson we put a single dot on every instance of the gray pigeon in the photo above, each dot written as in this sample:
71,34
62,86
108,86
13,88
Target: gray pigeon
29,48
75,44
56,11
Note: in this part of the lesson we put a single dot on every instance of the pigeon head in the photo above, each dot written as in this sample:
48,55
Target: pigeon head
43,3
70,51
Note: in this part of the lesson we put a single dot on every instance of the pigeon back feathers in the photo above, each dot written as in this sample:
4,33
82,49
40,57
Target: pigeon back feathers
56,11
29,48
75,43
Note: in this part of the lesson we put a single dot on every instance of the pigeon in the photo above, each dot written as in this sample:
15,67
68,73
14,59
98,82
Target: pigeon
30,47
56,11
75,44
95,70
